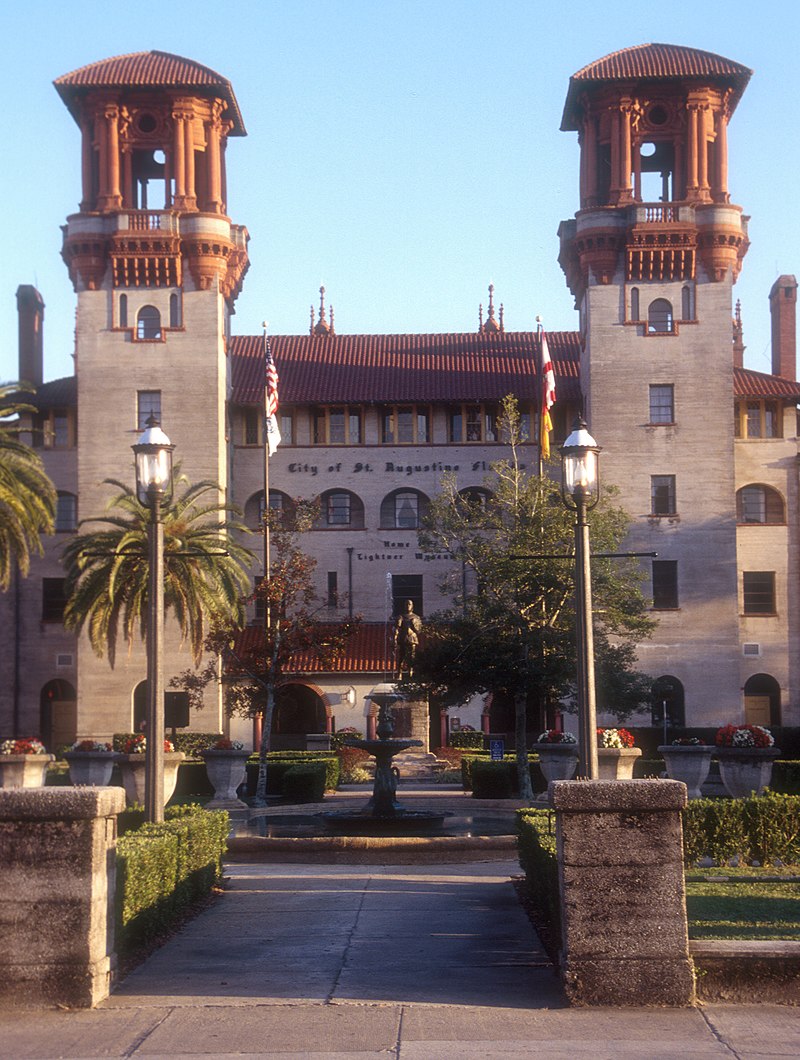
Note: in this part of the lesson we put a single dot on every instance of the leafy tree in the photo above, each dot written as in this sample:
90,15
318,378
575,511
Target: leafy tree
27,496
254,676
515,633
205,568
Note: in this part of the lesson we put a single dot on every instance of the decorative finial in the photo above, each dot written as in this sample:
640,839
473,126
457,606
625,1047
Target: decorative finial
480,317
311,325
322,327
502,325
491,324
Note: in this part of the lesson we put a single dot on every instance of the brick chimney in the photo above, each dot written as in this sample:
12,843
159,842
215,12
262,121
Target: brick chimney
783,307
30,310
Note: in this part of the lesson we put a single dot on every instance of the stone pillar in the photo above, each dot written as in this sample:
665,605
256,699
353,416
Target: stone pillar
57,884
621,883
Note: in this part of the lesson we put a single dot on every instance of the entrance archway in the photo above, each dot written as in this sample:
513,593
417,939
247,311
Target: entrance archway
58,714
299,710
762,700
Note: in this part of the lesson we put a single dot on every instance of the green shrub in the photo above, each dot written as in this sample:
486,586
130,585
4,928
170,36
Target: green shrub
305,782
498,780
468,762
472,741
340,739
163,869
762,829
278,762
536,844
193,743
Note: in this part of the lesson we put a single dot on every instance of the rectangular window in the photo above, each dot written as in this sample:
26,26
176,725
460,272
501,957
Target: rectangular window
406,510
662,403
662,495
473,423
53,599
758,419
337,425
260,606
251,423
338,509
148,403
759,592
665,584
405,425
66,512
406,587
333,589
287,426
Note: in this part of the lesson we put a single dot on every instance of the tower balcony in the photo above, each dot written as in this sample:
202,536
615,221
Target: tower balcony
652,241
149,248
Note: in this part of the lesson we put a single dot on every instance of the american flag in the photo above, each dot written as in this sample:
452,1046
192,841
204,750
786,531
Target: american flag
271,398
548,396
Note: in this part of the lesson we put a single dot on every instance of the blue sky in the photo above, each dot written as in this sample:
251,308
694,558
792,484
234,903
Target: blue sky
404,153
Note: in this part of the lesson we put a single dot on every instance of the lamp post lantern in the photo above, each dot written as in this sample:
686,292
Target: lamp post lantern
153,454
580,491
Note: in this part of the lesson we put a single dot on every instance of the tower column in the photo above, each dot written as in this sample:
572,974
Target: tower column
179,156
111,199
625,151
721,175
87,151
191,194
214,181
590,167
615,186
702,151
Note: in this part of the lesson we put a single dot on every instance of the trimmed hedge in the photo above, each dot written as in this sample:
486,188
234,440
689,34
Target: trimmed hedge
280,762
305,782
757,829
499,780
164,869
785,777
536,845
466,741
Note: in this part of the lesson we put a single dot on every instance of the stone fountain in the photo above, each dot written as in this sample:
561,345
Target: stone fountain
383,814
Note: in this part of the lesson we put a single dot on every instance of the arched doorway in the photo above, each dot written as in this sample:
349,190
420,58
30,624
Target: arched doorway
58,714
502,717
299,710
668,698
762,700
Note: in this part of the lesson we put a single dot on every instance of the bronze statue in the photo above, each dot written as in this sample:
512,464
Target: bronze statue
407,628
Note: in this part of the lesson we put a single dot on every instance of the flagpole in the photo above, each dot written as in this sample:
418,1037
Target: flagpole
258,720
540,402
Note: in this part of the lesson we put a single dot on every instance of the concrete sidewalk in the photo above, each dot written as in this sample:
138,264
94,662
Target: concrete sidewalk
343,961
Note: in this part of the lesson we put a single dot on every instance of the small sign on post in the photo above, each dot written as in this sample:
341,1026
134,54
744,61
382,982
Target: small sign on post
497,749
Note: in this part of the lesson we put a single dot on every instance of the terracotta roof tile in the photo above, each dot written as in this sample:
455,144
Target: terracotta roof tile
57,393
372,368
655,62
153,69
747,383
366,651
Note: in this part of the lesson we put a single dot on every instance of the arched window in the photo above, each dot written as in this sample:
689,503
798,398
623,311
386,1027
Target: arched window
634,303
403,509
759,504
174,311
687,308
477,497
668,696
66,512
762,700
254,507
148,323
123,310
340,508
659,317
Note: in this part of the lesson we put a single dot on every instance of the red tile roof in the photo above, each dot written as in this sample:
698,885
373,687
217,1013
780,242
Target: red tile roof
747,383
153,69
57,393
370,368
366,651
655,62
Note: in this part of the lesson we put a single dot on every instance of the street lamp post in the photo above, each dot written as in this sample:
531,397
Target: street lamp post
580,490
153,453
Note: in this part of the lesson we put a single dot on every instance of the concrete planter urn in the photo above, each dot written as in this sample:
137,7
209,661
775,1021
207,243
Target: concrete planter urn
688,763
616,763
746,770
557,761
90,768
24,771
132,770
226,771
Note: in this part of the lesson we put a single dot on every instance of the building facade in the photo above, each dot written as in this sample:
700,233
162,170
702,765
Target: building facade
703,450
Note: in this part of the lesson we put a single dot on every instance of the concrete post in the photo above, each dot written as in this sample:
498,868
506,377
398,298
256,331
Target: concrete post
57,882
621,882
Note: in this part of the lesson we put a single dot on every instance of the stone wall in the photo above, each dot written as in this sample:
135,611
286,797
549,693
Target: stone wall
57,883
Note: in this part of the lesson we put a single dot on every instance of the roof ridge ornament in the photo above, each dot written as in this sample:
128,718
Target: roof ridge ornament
322,327
492,325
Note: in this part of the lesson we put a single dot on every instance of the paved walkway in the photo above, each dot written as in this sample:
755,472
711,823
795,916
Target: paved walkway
357,961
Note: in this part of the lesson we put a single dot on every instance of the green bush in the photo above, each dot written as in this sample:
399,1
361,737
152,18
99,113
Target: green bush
472,741
536,844
193,743
468,762
163,869
498,780
762,829
305,782
278,762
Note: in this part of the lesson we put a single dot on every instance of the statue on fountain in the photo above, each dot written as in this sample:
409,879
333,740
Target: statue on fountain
407,628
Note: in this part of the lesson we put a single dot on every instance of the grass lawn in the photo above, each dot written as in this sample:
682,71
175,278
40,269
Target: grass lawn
745,908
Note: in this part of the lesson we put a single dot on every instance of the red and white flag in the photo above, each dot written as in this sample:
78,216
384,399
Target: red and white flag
271,398
548,396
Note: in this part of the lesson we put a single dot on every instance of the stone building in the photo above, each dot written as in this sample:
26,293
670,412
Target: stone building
704,450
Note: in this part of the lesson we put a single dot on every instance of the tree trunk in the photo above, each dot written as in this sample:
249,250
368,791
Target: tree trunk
266,728
521,739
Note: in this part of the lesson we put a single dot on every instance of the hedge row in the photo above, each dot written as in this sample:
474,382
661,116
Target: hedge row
500,780
279,763
762,828
164,869
536,845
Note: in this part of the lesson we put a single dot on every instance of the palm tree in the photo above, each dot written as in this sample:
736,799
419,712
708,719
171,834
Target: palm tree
27,496
205,568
